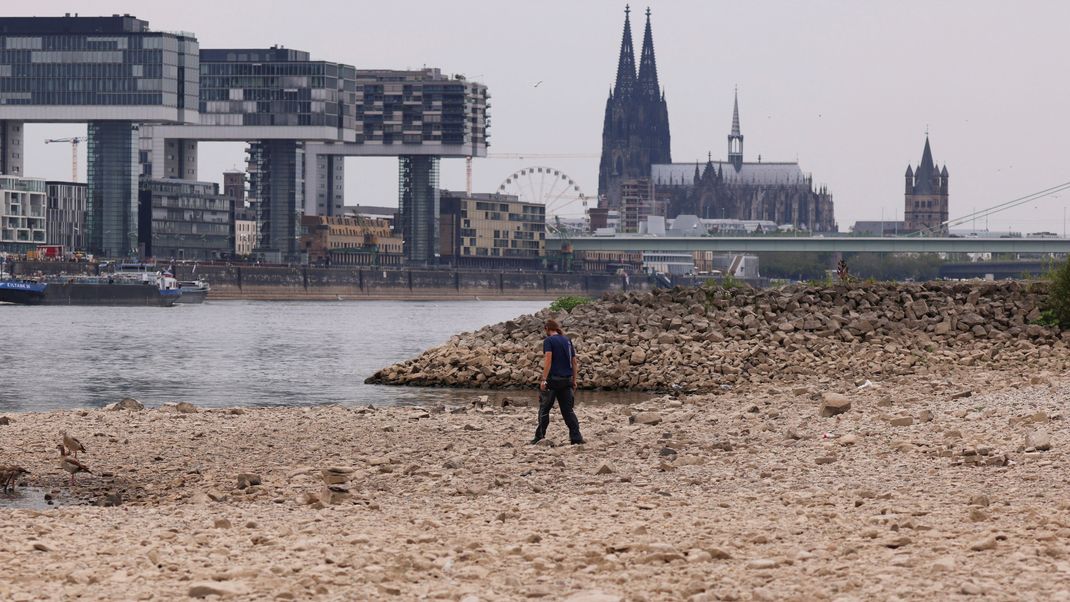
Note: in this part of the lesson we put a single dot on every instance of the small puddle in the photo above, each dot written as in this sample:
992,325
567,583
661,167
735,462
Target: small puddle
36,498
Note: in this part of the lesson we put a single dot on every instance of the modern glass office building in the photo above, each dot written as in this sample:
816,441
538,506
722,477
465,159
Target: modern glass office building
421,107
275,87
150,96
65,215
112,72
183,219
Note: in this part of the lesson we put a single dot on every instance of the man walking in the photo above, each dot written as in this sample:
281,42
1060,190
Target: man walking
559,371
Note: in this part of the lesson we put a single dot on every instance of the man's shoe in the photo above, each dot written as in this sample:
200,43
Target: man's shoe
536,440
580,442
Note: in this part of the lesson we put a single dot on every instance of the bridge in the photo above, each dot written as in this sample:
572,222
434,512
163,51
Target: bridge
998,269
790,244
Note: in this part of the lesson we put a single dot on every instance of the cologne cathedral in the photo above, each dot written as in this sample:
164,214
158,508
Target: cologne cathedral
635,134
635,147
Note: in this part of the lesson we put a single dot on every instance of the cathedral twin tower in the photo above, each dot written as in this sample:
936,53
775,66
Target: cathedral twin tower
635,134
637,177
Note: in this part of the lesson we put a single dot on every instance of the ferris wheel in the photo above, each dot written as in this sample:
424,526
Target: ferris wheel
548,186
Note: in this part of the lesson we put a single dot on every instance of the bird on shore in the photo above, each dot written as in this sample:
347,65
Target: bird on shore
71,465
73,445
9,476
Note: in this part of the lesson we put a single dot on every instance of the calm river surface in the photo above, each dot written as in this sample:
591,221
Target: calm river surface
231,353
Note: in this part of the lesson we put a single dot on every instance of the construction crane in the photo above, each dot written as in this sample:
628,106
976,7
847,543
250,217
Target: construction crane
75,141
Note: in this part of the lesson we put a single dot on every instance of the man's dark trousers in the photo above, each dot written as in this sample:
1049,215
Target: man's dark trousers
561,390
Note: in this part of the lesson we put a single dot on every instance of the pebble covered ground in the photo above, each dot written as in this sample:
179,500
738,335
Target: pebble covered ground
947,487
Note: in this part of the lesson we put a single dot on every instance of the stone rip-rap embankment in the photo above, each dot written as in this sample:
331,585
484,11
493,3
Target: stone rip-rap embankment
709,339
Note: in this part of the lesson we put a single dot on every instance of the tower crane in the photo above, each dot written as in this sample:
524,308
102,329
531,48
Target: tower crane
75,141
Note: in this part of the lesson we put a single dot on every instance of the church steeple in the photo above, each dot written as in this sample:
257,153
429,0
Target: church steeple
648,67
926,204
735,139
626,63
926,174
635,131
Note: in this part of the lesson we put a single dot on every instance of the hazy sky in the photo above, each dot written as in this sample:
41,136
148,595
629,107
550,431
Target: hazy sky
847,87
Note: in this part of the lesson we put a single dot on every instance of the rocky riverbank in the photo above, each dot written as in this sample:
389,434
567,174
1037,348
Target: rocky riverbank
914,487
708,339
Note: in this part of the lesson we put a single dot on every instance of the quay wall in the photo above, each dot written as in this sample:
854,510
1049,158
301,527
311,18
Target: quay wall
296,283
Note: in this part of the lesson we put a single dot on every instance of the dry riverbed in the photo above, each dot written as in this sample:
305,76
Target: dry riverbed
916,492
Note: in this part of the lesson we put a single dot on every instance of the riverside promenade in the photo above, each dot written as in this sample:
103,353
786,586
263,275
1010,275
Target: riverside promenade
302,283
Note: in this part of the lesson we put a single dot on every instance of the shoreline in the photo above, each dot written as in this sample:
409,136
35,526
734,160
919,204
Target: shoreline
748,494
320,297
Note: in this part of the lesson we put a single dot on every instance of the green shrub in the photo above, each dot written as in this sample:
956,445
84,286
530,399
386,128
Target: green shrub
1057,310
568,303
727,281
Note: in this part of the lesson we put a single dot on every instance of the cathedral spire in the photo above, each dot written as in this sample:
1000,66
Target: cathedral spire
626,63
926,172
735,139
648,67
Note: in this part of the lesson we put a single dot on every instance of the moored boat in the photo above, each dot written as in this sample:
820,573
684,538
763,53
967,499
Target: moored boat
193,291
115,289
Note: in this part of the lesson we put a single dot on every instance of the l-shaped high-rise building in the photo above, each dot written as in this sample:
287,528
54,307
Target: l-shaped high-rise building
110,72
150,97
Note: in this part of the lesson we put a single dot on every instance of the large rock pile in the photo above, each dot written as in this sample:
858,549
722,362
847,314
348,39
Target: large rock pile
705,338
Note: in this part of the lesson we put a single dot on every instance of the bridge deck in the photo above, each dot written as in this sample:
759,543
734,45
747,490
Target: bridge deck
850,244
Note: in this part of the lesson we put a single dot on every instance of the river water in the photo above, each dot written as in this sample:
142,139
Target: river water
231,353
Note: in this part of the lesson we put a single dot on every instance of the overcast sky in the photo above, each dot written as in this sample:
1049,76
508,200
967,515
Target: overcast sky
846,87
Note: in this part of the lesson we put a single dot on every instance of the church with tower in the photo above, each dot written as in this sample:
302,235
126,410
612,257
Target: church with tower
636,156
926,207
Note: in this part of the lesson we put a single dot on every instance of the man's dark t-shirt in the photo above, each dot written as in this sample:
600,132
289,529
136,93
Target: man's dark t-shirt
563,352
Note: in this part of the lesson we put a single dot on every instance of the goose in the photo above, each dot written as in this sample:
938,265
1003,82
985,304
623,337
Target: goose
9,476
71,465
73,445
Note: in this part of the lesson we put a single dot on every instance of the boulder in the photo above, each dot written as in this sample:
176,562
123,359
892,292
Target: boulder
129,404
901,421
834,403
1038,440
223,589
184,407
336,475
649,418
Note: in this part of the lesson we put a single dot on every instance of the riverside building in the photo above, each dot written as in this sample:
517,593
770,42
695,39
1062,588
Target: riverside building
184,219
244,232
65,214
22,213
149,97
492,231
110,72
303,117
350,240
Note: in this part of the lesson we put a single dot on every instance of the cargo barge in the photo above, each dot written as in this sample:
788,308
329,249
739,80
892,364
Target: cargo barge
154,290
